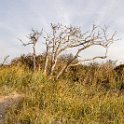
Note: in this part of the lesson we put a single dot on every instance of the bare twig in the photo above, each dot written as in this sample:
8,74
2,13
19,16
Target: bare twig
5,59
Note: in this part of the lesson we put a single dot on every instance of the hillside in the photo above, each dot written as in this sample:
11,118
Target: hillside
84,94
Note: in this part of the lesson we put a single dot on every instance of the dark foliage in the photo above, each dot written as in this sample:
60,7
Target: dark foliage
27,61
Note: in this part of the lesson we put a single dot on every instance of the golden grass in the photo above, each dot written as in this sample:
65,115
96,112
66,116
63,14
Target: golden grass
61,102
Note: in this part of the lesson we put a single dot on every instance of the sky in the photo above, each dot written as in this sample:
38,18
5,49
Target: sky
18,17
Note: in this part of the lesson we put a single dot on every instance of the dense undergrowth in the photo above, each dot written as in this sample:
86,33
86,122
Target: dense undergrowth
84,95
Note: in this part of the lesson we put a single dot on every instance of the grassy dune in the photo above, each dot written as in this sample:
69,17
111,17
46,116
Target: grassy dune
64,101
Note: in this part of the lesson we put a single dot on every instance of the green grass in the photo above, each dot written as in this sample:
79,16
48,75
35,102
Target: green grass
61,102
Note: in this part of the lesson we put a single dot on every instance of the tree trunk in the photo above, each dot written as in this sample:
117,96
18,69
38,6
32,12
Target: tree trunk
46,60
46,65
53,67
53,59
34,58
61,72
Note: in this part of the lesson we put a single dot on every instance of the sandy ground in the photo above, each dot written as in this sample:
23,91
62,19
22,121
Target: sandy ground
7,102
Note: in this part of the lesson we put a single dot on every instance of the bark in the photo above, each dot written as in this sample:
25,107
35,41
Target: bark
46,60
53,59
53,67
34,58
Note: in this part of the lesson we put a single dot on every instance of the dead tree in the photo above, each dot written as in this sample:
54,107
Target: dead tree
33,39
65,38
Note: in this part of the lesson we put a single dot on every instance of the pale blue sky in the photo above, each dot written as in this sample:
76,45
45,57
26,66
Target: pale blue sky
18,17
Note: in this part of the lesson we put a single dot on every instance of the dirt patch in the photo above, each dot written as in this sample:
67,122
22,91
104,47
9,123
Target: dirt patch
7,102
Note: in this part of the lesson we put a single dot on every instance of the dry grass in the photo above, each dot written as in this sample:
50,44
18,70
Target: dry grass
64,101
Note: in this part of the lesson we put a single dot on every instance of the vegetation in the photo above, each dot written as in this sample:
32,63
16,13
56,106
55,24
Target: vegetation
57,88
83,95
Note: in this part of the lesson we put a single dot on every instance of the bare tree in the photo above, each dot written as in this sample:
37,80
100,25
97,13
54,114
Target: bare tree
65,38
33,39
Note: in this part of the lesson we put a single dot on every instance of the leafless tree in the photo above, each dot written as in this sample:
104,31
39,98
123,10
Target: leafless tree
33,39
65,38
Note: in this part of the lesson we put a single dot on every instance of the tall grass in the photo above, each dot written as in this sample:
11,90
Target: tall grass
94,99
